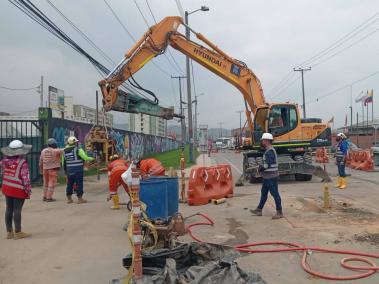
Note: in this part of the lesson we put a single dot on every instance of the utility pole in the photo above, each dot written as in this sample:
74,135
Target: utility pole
182,122
240,132
97,108
41,92
351,108
302,85
196,138
189,99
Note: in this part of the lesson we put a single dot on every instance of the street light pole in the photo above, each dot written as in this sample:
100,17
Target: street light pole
182,122
302,86
189,99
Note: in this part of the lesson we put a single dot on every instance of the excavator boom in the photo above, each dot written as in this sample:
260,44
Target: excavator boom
156,40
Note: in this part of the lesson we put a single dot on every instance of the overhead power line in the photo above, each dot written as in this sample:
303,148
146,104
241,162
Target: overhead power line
131,35
317,59
365,24
32,11
176,68
345,86
168,48
19,89
83,35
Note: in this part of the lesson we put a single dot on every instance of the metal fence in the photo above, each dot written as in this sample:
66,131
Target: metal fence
29,131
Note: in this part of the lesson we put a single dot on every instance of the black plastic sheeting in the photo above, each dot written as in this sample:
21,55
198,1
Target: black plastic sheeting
193,263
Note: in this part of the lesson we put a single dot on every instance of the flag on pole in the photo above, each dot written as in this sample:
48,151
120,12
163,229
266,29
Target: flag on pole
369,98
361,97
331,120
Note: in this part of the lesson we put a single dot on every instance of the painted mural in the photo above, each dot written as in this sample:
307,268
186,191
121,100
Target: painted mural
131,144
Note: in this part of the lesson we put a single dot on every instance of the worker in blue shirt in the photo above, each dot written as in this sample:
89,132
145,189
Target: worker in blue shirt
341,153
270,174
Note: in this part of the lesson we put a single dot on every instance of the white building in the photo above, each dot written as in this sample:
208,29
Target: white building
143,123
88,114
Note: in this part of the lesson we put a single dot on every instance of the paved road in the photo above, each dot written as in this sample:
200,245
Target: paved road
85,244
306,222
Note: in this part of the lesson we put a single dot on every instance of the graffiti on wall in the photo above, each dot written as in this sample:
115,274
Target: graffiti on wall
134,145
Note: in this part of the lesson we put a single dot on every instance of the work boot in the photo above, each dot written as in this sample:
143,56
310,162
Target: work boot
44,198
10,235
339,181
115,200
69,199
81,200
278,215
343,183
21,235
256,212
50,200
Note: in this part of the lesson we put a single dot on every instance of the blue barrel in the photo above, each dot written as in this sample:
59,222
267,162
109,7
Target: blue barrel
172,193
153,192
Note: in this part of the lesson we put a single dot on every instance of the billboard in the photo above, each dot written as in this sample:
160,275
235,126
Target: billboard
56,98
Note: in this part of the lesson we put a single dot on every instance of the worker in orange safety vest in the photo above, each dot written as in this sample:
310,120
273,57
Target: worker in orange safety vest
115,169
150,167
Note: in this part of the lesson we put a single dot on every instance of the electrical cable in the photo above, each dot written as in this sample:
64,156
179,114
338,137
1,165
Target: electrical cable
177,67
131,36
290,246
365,24
18,89
344,87
82,34
284,88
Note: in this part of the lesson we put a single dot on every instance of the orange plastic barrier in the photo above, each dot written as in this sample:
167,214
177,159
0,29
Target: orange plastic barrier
360,160
349,159
322,155
207,183
366,162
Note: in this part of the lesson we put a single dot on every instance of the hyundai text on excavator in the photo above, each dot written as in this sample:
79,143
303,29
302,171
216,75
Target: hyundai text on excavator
294,137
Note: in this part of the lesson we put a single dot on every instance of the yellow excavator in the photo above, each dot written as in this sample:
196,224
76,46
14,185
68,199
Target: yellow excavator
294,137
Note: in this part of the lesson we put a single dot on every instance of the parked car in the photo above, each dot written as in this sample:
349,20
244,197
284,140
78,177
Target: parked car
375,150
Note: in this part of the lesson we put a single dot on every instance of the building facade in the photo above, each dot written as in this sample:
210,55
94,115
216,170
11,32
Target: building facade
88,114
143,123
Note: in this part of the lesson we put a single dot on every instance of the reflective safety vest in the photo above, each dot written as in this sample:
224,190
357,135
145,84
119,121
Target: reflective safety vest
272,170
340,155
74,164
12,183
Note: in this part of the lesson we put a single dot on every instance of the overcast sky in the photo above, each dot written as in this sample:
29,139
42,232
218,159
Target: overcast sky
271,37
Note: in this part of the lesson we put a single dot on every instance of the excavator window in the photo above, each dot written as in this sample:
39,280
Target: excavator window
260,123
282,119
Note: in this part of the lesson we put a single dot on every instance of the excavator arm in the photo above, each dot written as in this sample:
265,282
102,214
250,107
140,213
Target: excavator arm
156,40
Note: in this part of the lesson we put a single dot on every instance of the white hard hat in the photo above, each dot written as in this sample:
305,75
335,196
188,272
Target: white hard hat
342,135
267,136
16,144
72,140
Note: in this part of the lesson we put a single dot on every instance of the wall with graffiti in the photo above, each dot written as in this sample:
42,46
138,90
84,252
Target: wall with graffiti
128,143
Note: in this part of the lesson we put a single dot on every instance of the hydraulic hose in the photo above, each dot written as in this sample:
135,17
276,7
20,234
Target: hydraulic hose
358,256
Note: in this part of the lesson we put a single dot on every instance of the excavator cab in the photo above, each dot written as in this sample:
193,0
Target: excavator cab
277,119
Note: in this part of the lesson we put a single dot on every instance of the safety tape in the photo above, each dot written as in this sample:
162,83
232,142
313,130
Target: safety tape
136,210
135,181
137,239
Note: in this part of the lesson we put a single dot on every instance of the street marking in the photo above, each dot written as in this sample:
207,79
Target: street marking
235,167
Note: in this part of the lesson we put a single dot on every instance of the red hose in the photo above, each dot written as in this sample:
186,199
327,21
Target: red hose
359,256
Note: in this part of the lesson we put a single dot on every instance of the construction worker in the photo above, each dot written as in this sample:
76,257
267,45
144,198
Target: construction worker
15,186
115,169
73,163
49,164
341,153
150,167
270,174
